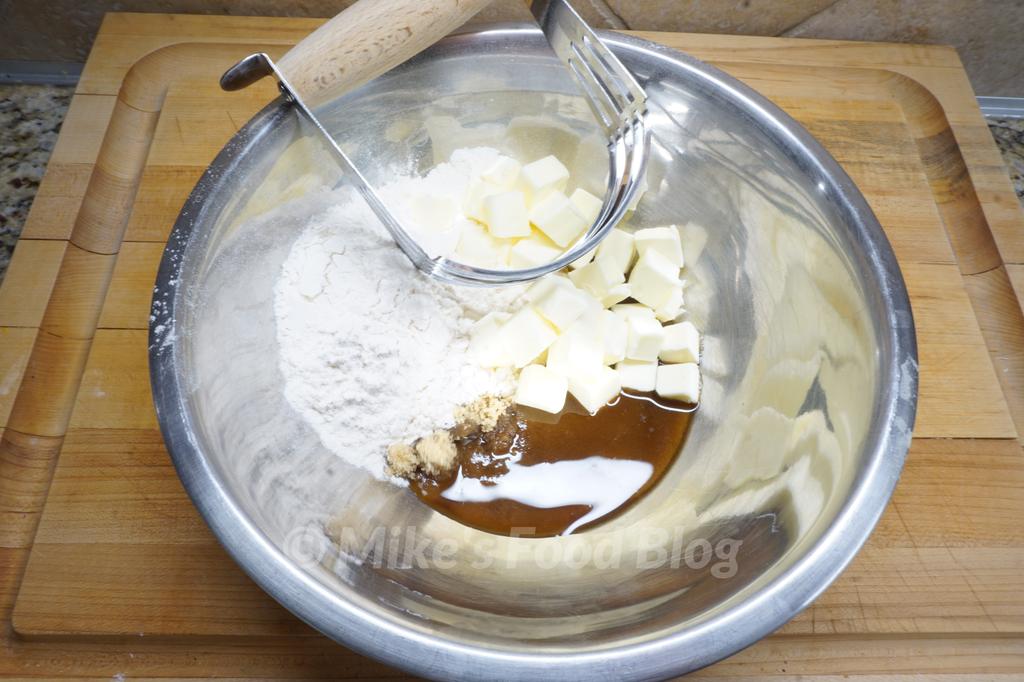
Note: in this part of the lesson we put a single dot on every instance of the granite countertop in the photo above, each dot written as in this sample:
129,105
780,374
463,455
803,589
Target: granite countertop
1009,134
30,118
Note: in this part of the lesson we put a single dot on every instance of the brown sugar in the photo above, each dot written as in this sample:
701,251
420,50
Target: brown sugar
436,453
402,460
433,455
482,414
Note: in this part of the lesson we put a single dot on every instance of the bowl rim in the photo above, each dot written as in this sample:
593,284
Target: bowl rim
718,636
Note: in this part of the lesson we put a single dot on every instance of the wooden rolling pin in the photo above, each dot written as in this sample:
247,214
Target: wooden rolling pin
360,43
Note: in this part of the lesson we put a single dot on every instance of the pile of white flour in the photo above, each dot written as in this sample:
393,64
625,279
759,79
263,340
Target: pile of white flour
372,351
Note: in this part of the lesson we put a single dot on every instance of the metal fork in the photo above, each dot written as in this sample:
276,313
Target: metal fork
618,102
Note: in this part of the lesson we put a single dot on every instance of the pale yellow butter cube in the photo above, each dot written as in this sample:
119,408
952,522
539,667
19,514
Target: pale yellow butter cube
561,305
585,258
526,335
628,310
479,248
679,382
605,330
617,246
596,388
573,353
542,389
670,309
543,176
504,172
505,215
664,240
616,337
597,277
486,346
542,286
638,375
555,216
530,253
681,343
473,202
618,293
582,260
645,338
587,204
653,279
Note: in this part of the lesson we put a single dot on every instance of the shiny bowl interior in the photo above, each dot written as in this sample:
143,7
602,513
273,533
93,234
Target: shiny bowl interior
808,397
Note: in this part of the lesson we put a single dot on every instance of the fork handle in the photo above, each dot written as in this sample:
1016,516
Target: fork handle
367,39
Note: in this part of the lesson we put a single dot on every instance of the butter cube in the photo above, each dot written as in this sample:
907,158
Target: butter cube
561,305
628,310
586,204
619,292
541,388
594,306
597,277
591,323
653,279
638,375
585,258
606,330
486,345
670,309
616,337
681,343
526,335
582,260
645,337
505,215
596,388
479,248
531,252
617,246
542,286
543,176
503,172
664,240
679,382
574,353
555,216
473,202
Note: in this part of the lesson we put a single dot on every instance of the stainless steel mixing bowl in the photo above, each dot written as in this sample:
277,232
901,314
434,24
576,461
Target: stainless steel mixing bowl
810,381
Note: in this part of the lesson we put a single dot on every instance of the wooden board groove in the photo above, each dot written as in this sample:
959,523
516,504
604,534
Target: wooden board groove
938,589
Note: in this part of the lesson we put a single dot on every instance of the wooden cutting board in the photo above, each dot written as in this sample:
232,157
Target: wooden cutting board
106,568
